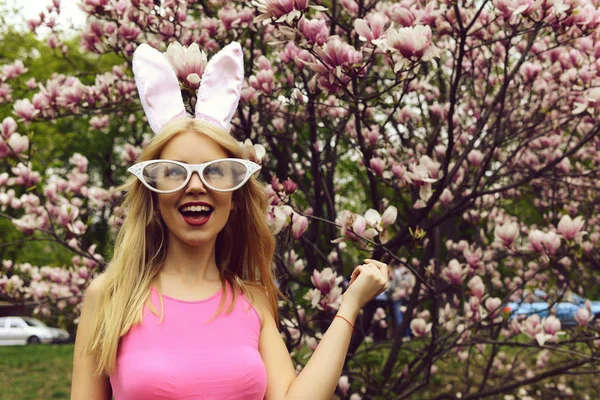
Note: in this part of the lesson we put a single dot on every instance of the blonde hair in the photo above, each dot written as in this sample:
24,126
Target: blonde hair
140,249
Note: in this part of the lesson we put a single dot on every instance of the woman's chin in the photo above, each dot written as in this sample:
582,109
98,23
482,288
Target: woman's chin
196,239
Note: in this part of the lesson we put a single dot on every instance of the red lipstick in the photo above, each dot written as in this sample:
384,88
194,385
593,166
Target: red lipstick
196,218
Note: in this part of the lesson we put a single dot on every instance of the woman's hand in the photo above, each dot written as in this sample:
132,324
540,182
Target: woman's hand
367,281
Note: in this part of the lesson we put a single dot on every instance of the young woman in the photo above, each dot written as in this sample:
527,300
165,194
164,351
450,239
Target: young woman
187,308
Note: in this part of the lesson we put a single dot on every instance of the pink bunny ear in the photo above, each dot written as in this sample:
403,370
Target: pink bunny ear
221,86
158,86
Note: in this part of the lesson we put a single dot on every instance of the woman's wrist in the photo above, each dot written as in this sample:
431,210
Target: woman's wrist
349,310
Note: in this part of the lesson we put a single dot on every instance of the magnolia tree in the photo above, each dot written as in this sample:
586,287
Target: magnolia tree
457,141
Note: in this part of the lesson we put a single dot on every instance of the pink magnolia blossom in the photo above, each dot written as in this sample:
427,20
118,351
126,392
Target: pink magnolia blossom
315,31
446,197
100,122
28,223
510,8
290,186
12,71
325,280
476,286
129,32
552,325
344,384
493,304
421,176
454,272
473,257
371,30
551,242
377,165
536,238
253,152
338,53
67,214
24,175
412,42
583,316
472,307
447,318
263,81
299,225
299,266
475,157
373,218
389,216
419,204
278,218
79,161
400,14
532,326
359,227
543,358
18,143
72,94
31,83
8,127
279,10
188,62
328,302
570,228
507,233
24,109
420,327
589,102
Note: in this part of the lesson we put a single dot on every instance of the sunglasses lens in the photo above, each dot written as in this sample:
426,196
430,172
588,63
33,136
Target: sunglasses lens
224,174
165,175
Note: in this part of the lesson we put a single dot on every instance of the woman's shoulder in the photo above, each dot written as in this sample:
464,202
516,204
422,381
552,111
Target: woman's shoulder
257,296
96,286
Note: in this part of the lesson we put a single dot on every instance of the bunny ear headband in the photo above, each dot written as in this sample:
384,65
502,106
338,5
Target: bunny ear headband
159,90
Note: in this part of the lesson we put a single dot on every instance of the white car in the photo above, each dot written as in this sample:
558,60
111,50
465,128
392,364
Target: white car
27,330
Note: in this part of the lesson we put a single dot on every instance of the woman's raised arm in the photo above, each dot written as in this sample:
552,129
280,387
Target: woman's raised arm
321,374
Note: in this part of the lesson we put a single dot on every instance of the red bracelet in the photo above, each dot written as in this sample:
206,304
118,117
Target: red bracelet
339,316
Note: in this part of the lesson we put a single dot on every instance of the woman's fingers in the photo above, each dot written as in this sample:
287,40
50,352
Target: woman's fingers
366,282
377,269
381,267
357,271
378,263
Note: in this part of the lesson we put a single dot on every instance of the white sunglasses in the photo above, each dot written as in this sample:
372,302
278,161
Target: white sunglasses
168,176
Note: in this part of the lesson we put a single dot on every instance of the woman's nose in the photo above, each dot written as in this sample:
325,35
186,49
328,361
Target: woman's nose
195,185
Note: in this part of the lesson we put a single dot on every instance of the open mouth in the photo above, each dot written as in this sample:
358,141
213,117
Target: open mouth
196,213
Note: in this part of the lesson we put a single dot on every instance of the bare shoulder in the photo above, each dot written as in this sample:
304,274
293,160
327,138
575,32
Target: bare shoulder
90,301
85,383
259,300
96,286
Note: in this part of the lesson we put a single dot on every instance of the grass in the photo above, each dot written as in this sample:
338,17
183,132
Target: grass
36,372
44,372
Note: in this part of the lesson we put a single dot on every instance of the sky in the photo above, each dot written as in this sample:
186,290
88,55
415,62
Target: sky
70,14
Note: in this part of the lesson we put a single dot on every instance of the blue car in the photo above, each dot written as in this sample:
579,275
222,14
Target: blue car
537,303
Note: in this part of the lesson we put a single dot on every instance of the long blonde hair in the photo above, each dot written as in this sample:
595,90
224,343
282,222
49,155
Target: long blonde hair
141,243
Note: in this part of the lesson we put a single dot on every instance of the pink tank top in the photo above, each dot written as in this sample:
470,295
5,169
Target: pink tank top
187,357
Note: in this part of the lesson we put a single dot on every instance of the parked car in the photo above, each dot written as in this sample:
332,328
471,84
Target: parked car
537,303
27,330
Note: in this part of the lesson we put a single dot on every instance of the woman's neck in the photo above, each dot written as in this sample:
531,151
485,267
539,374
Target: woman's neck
190,263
